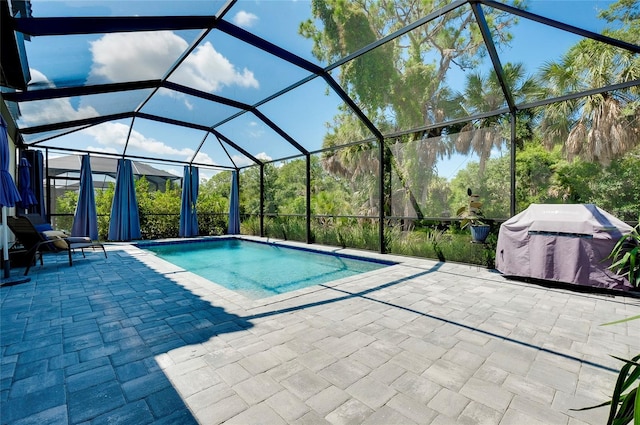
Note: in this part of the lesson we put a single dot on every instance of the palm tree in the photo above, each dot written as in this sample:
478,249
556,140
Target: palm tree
358,162
400,85
483,93
604,126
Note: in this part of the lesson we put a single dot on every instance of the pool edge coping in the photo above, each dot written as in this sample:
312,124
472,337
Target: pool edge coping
213,289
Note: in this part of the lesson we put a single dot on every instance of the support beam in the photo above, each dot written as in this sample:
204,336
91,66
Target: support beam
14,66
347,99
204,95
61,92
221,136
381,197
280,131
267,46
261,200
308,200
493,54
560,25
74,123
74,25
512,168
172,121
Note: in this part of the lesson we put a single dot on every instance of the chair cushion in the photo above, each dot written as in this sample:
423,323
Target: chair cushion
57,237
43,227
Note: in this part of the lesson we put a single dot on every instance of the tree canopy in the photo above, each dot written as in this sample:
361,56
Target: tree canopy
580,150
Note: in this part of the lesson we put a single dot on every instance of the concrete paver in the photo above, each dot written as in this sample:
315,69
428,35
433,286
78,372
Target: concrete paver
132,339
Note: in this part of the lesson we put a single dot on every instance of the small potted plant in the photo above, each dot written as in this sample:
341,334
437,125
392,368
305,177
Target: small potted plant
471,215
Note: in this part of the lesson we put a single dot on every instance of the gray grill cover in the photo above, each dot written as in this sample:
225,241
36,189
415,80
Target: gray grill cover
564,243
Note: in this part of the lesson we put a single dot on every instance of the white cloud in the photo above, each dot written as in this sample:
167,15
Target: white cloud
135,56
203,158
256,134
53,110
38,78
149,55
263,157
103,149
255,130
245,19
208,70
108,134
241,160
178,96
111,135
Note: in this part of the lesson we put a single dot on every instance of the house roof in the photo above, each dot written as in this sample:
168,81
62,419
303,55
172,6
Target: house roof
70,165
102,165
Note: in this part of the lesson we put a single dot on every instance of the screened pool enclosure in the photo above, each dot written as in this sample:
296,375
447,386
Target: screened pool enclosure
339,115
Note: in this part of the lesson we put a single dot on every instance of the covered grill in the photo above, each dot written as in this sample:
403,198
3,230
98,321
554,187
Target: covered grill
563,243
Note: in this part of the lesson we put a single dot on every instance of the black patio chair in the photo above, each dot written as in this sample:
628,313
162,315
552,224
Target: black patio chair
36,241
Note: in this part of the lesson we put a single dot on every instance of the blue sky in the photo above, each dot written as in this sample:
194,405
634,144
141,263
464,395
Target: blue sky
224,66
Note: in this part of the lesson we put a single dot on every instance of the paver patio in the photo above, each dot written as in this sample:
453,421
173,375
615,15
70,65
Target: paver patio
132,339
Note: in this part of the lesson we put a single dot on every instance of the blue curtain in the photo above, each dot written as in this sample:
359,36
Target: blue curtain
9,194
234,206
85,220
188,211
124,224
36,159
24,185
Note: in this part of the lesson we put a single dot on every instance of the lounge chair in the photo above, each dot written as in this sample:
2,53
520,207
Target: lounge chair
37,239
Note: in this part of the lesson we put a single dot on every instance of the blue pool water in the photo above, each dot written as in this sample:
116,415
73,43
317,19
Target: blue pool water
259,270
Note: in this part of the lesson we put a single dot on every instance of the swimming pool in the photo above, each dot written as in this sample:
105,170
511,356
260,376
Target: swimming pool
259,270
